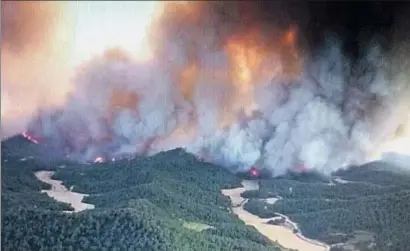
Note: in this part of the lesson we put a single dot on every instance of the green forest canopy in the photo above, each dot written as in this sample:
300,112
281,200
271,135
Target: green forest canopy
141,204
375,201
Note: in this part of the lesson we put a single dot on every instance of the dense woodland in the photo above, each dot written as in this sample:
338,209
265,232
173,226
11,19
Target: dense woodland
141,204
375,201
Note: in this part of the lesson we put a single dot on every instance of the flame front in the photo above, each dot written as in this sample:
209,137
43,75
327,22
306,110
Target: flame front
30,138
116,79
99,160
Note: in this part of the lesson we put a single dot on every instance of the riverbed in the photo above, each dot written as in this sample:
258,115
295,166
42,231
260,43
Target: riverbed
281,234
60,193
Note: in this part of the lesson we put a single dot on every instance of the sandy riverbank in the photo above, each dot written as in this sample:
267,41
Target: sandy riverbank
284,236
60,193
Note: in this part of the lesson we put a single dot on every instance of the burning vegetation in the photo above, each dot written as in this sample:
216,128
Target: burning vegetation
30,138
211,77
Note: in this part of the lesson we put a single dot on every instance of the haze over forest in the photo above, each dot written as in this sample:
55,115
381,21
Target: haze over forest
148,116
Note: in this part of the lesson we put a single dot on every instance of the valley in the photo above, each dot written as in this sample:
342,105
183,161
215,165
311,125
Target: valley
285,236
172,201
60,193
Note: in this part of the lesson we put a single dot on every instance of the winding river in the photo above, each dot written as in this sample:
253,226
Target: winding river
60,193
281,234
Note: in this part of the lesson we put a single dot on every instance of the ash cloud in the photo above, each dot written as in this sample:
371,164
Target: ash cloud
319,109
33,69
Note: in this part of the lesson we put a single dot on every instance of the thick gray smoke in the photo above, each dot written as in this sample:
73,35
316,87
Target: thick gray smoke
330,114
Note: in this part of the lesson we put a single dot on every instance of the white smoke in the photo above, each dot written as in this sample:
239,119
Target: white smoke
334,115
330,118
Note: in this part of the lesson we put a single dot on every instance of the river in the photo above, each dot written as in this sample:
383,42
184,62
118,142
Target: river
60,193
281,234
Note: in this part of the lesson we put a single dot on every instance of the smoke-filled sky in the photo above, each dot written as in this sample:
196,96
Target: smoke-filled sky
241,84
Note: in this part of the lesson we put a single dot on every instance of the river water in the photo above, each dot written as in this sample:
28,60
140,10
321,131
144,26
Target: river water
60,193
281,234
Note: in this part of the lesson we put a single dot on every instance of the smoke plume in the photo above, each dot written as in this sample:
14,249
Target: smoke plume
33,69
231,89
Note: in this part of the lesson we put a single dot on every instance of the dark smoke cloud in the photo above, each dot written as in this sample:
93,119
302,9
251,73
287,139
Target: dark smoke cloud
320,108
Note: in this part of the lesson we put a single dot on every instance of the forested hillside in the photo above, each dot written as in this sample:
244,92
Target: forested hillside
141,204
171,201
367,206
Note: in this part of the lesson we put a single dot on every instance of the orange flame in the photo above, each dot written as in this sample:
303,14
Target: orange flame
30,138
99,160
255,60
250,57
188,77
290,36
246,57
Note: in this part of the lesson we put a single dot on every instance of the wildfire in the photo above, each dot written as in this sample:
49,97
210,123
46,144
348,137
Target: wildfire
99,160
188,77
118,31
30,138
300,169
254,60
290,37
56,38
250,56
246,55
254,172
